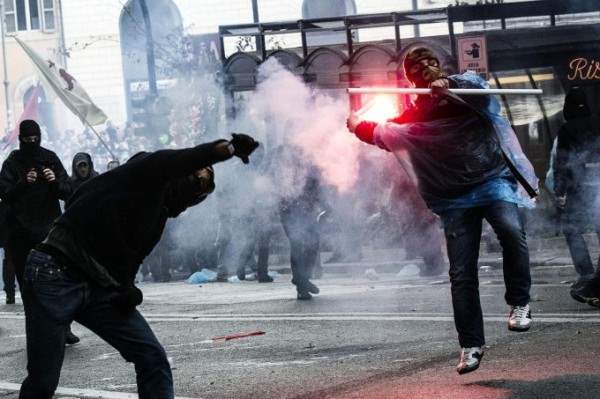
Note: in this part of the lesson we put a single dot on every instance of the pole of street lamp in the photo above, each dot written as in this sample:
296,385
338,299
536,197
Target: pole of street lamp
4,66
150,58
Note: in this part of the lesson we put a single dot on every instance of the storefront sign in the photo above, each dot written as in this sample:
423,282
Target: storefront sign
583,68
472,55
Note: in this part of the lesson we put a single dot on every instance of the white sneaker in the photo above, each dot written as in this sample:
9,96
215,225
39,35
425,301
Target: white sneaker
469,359
519,318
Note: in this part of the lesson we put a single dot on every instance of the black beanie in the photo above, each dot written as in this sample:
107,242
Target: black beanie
29,128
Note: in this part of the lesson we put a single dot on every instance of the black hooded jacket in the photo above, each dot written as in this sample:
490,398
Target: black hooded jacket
76,180
578,148
118,217
32,207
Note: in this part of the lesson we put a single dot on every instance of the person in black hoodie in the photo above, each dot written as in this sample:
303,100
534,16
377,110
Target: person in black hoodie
85,269
82,170
577,185
577,177
32,181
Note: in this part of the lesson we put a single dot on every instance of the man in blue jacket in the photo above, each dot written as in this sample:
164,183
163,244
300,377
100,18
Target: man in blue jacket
467,163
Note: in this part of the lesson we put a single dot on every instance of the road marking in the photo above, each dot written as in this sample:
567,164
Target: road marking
358,316
368,318
82,393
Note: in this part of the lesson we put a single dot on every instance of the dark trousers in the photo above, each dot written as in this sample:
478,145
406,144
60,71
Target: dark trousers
8,275
462,228
16,250
578,215
53,299
303,234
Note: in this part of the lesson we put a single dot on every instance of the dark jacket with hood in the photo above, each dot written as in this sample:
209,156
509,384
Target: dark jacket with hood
578,149
33,207
118,217
471,156
76,180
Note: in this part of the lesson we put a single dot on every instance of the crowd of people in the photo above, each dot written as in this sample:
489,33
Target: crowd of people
79,262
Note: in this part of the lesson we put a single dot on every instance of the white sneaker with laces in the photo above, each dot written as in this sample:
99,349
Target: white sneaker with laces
519,318
469,359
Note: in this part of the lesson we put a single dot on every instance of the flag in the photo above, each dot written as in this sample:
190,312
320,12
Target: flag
67,89
29,112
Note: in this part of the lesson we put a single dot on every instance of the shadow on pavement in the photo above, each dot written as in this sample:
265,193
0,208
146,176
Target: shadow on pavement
578,386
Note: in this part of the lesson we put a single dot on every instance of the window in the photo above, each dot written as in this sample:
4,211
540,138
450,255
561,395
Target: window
24,15
48,14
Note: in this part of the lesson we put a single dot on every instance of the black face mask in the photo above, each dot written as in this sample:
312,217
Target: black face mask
29,146
187,192
422,75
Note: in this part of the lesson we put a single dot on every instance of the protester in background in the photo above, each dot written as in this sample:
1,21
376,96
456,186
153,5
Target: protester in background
8,270
298,211
86,267
32,181
467,161
577,179
82,170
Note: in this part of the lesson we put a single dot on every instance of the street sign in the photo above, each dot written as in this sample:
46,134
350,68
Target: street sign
472,55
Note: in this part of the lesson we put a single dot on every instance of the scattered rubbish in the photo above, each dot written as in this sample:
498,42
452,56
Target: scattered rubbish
238,335
371,274
251,276
567,282
485,269
233,279
201,277
410,270
310,346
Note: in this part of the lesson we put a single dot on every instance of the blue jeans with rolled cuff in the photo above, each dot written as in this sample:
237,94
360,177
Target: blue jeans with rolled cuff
462,228
53,297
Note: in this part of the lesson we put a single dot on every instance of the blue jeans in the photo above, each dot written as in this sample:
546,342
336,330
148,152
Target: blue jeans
462,228
53,298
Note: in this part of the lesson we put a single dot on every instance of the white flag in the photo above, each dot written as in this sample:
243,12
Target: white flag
67,89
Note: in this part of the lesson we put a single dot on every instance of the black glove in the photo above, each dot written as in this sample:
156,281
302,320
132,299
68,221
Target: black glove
243,146
125,300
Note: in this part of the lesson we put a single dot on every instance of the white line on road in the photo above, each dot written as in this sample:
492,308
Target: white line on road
82,393
366,316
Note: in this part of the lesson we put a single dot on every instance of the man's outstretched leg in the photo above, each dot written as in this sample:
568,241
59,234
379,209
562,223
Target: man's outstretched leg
130,334
462,228
505,219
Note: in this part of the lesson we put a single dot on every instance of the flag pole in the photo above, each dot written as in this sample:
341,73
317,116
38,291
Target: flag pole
85,122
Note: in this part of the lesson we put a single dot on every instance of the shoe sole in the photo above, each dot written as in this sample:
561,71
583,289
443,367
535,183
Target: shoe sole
468,370
595,302
518,329
471,369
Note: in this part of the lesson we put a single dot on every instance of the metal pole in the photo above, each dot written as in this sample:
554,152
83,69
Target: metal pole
4,66
150,59
61,38
415,7
421,91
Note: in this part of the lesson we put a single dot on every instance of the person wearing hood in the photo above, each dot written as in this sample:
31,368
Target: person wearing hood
468,164
32,181
85,268
577,185
82,170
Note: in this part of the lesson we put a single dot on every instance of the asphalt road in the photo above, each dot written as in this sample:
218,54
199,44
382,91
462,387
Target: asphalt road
387,338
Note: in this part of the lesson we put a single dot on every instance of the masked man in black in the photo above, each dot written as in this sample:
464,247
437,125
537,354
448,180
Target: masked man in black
85,268
82,170
577,188
467,163
32,181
